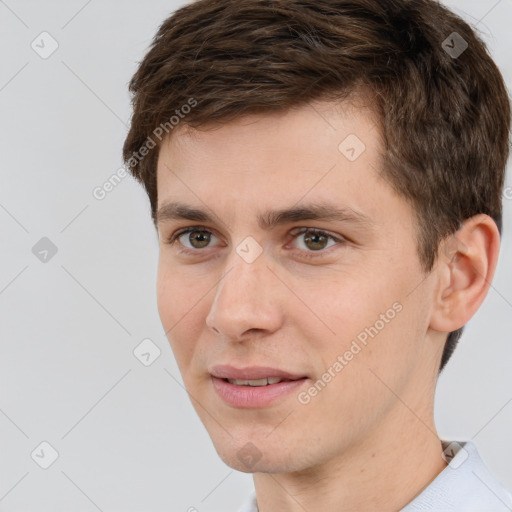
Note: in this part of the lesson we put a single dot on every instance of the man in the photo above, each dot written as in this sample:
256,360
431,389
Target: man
325,179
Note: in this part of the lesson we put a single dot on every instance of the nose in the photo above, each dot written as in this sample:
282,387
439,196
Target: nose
247,300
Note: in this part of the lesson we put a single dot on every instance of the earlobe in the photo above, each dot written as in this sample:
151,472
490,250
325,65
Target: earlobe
466,266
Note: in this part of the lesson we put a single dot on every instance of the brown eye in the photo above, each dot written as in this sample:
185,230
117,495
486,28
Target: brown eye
198,239
192,238
315,241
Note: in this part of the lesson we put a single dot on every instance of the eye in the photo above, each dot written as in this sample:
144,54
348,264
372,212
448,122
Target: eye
198,238
195,238
315,240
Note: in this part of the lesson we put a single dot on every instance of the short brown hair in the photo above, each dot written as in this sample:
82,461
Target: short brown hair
443,107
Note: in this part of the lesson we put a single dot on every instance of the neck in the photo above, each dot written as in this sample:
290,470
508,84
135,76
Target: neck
384,471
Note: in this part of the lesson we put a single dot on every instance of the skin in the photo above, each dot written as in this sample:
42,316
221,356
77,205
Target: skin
367,440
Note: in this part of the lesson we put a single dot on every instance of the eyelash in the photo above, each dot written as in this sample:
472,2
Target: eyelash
307,254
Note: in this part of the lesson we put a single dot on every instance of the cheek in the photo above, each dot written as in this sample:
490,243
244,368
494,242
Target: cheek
350,303
178,306
364,313
179,292
168,290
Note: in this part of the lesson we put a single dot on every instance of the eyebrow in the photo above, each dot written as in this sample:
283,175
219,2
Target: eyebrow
272,218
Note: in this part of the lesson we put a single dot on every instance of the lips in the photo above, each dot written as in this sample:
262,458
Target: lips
253,373
254,386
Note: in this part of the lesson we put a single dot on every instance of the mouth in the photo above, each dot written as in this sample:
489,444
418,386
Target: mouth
254,387
253,374
257,382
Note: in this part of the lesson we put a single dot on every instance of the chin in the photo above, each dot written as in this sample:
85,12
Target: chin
256,455
263,465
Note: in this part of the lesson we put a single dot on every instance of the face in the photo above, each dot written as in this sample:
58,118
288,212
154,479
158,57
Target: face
291,260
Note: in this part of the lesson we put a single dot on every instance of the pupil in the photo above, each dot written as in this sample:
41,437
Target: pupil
316,239
201,237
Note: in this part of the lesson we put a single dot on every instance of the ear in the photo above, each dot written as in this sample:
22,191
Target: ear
467,261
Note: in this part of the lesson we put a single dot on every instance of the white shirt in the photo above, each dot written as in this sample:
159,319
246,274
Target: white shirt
465,485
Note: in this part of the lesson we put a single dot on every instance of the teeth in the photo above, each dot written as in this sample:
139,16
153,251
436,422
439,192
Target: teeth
255,382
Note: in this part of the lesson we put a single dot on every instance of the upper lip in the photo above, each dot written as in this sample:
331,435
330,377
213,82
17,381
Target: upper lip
251,373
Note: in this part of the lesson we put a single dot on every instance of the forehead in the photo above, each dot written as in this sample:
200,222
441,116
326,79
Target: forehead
319,152
358,110
306,137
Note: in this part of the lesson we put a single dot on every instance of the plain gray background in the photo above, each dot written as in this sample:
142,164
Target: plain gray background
126,434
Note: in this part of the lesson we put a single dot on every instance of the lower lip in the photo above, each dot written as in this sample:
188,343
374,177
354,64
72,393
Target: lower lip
254,396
